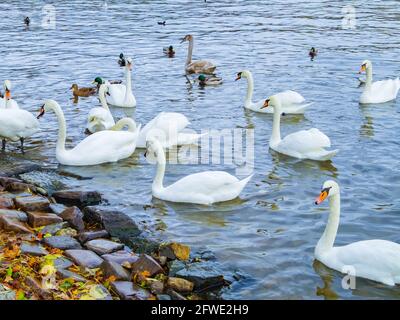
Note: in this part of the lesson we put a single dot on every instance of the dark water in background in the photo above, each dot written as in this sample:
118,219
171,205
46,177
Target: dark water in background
270,233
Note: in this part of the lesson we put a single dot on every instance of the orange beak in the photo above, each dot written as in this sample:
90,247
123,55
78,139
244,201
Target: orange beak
322,196
130,66
266,104
238,78
363,68
8,95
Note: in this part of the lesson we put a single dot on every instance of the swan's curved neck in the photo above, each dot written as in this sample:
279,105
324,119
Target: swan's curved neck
103,99
125,122
328,237
250,88
128,79
190,52
276,126
62,128
161,160
369,76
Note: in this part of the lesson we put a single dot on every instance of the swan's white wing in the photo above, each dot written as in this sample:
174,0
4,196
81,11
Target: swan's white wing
385,89
290,97
104,144
17,123
305,141
166,124
171,120
373,259
205,183
117,94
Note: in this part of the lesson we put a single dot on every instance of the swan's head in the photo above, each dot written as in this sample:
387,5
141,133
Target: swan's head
242,74
366,64
188,37
125,61
7,89
272,101
329,189
48,105
153,147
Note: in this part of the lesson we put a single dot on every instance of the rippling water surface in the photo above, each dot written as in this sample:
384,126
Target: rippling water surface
269,233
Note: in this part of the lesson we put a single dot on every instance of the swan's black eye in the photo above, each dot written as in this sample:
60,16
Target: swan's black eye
326,190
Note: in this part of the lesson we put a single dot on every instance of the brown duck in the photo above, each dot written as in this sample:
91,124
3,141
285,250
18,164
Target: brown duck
82,92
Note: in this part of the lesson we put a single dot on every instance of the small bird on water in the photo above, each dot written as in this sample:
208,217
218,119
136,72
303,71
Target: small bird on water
169,51
161,23
313,53
27,21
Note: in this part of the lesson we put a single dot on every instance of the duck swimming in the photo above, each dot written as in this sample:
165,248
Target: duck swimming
313,53
169,51
208,81
83,91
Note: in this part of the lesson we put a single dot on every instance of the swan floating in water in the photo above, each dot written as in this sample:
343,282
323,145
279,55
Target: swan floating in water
15,123
120,95
292,102
377,260
100,147
198,66
304,144
201,188
100,118
379,91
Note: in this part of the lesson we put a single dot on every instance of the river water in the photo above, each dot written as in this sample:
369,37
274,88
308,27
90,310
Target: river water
269,234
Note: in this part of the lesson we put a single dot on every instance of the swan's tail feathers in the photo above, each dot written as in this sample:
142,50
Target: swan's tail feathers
300,109
397,85
323,155
243,183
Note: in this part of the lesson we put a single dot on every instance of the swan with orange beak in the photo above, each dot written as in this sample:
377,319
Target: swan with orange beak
7,101
304,144
15,123
377,260
378,91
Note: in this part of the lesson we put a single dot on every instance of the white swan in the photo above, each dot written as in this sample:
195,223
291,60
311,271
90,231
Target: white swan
304,144
198,66
100,147
121,94
16,124
379,91
11,103
167,127
201,188
292,102
377,260
100,118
